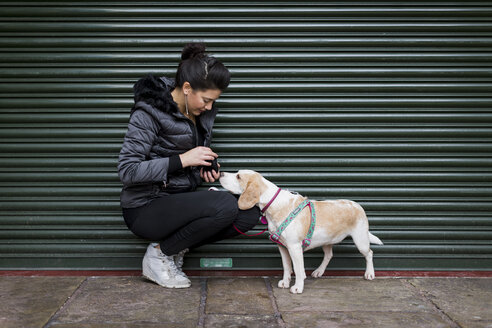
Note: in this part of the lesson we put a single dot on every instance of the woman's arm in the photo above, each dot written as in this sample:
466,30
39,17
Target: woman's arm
133,165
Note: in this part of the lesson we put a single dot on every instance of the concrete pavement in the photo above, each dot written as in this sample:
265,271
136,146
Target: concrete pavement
131,301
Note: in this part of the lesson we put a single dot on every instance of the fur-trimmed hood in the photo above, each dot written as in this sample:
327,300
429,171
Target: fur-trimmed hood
156,92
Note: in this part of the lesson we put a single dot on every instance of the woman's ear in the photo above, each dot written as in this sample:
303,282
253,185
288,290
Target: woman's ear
187,88
251,195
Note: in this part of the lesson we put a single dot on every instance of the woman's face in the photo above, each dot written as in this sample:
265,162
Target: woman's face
200,101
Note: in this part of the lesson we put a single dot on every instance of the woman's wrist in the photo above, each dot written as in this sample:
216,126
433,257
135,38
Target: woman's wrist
182,158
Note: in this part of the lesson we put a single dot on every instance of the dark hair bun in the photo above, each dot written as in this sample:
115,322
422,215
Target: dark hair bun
192,50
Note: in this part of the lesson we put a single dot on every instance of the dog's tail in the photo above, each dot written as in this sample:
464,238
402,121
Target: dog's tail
374,240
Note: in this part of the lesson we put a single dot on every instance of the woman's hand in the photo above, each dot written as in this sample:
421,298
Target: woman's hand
210,176
198,157
201,156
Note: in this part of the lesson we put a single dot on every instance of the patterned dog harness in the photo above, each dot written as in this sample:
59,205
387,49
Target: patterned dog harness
306,242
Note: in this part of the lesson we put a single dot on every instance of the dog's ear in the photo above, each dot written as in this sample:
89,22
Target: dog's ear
250,195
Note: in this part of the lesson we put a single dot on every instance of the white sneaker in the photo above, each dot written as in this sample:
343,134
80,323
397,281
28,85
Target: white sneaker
179,260
179,275
161,269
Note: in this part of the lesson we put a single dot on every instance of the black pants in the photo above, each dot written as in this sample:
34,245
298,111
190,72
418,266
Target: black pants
189,220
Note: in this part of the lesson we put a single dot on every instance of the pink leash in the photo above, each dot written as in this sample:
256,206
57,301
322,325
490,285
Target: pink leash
262,217
242,233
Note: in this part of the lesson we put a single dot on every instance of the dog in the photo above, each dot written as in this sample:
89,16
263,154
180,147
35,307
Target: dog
335,220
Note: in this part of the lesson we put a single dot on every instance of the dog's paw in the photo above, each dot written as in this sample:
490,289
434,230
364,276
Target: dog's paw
317,273
296,289
369,275
284,283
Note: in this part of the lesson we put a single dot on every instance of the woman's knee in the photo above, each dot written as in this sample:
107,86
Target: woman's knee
227,208
247,219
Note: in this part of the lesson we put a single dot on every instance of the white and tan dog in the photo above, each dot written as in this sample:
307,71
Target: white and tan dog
335,220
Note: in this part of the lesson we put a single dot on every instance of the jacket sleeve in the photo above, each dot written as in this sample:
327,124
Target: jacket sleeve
134,166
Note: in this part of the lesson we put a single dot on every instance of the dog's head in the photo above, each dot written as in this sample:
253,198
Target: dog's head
246,183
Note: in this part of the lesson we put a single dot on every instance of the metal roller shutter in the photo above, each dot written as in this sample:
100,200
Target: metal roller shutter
387,103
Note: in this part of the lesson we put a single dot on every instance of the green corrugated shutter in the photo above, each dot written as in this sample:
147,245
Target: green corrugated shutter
387,103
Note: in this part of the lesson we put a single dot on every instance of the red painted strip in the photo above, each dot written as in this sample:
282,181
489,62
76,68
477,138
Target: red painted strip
248,273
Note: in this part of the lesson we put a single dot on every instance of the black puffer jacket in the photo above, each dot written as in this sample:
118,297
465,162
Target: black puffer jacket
157,134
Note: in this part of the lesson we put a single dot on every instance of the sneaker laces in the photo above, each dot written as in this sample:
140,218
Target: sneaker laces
169,263
172,266
179,258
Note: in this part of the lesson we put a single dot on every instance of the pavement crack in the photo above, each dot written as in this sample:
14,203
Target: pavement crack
67,302
203,302
277,314
423,295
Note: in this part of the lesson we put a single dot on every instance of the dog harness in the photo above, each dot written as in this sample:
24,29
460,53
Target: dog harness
306,242
276,236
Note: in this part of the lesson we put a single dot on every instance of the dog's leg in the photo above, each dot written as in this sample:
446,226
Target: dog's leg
328,249
297,257
287,264
361,240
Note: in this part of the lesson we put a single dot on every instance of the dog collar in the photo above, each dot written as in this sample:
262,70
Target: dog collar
263,211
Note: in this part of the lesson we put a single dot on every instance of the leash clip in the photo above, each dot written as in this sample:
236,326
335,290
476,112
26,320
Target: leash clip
263,219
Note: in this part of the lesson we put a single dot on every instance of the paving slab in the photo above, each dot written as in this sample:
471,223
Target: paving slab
129,302
32,301
238,296
351,294
467,301
240,321
363,319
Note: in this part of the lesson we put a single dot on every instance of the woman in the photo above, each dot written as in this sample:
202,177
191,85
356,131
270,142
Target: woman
166,154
